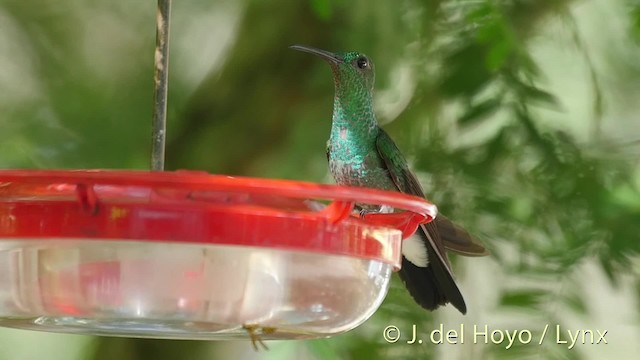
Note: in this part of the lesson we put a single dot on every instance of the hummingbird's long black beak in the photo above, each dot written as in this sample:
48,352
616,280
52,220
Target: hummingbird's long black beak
330,57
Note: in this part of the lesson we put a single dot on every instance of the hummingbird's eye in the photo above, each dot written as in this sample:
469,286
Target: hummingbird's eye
362,62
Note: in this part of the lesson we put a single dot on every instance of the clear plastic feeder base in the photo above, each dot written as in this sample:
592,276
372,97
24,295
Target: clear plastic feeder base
184,290
193,256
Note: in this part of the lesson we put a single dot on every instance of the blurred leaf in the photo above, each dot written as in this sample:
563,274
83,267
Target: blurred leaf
527,298
498,54
321,349
461,78
322,8
477,112
635,20
539,96
575,301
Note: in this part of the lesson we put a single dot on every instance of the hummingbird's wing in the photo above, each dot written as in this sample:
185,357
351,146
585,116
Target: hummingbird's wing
406,182
452,236
433,285
456,239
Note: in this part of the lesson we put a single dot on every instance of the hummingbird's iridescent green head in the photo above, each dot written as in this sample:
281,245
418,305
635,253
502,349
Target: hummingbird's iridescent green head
353,112
352,71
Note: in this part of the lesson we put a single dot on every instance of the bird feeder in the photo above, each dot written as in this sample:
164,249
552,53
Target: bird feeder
194,256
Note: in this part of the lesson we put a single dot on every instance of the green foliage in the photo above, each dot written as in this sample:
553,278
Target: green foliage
635,19
499,147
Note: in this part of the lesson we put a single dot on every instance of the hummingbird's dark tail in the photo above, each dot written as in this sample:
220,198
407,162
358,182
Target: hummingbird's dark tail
433,285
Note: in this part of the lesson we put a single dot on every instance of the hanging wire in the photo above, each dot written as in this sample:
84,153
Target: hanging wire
161,78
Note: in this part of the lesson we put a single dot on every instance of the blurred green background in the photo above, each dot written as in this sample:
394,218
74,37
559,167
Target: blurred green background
521,118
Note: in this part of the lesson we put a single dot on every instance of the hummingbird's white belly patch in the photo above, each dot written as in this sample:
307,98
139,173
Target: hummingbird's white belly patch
415,250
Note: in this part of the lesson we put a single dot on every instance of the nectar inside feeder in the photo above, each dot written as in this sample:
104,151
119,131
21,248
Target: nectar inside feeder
194,256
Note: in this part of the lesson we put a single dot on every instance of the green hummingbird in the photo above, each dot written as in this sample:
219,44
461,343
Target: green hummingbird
361,153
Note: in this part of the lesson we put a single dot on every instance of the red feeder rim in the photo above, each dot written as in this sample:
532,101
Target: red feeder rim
196,207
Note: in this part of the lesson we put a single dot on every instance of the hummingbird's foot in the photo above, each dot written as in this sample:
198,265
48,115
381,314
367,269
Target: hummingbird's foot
382,209
364,212
254,331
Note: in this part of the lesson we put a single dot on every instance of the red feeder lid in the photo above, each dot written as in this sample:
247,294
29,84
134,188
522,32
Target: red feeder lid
195,207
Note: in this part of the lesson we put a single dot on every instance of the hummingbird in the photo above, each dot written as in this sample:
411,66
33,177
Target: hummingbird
361,153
